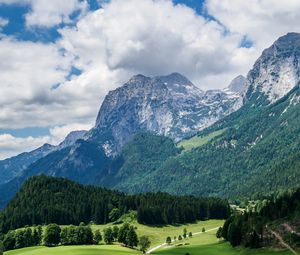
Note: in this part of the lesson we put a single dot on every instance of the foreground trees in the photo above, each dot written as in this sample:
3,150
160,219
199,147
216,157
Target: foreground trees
144,244
52,235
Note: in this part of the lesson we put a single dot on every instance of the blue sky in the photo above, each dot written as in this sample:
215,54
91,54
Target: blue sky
62,57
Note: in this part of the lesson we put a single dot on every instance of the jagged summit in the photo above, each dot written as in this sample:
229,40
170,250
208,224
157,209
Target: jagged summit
168,105
238,85
276,72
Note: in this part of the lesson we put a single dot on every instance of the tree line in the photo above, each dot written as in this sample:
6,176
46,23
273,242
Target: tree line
45,200
54,235
250,229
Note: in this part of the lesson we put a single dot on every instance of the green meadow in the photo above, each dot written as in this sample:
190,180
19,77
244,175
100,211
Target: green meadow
200,244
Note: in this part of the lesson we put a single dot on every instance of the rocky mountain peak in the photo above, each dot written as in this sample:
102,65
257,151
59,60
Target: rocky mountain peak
277,70
238,85
168,105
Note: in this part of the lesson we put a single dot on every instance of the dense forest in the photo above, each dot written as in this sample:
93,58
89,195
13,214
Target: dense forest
45,200
252,229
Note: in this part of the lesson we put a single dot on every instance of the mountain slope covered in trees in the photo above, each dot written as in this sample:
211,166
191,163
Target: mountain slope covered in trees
44,200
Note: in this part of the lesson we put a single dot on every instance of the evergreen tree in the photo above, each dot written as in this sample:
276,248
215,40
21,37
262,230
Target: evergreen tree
179,237
20,239
1,248
114,214
123,232
190,234
52,235
9,241
116,232
144,243
131,237
97,236
108,235
203,230
28,237
36,237
168,240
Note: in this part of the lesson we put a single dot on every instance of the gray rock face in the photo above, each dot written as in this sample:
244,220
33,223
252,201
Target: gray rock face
276,72
166,105
238,85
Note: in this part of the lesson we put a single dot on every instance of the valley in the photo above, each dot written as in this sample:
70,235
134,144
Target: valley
204,243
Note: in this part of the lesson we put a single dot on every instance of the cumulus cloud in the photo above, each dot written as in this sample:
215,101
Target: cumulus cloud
3,22
153,38
263,21
59,133
10,145
50,13
47,13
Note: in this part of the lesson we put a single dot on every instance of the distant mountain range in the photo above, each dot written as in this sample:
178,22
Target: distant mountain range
164,133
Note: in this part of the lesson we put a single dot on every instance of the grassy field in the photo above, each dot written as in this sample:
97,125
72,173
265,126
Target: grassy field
200,244
208,244
158,235
75,250
197,141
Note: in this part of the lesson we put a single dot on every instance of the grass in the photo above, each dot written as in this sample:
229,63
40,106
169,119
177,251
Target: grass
74,250
197,141
201,244
208,244
158,235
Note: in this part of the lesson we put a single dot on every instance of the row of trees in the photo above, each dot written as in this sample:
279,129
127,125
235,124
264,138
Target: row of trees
44,200
72,235
250,228
179,238
21,238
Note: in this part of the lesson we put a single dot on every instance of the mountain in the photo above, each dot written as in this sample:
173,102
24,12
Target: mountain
276,72
12,167
254,149
166,105
238,85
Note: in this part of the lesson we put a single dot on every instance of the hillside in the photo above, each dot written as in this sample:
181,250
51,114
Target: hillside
44,200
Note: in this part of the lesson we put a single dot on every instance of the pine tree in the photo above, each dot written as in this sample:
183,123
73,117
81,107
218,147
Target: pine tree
168,240
97,236
131,237
123,232
115,232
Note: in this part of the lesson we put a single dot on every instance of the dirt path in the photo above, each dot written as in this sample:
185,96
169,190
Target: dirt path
280,239
164,244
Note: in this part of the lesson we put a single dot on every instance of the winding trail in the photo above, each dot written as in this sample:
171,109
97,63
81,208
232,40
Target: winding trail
164,244
280,239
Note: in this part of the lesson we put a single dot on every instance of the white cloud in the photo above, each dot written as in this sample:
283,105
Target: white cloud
154,37
47,13
59,133
263,21
50,13
10,145
27,75
3,22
